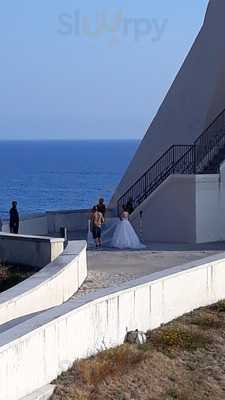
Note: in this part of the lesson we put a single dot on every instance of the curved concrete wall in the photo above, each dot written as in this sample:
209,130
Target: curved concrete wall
51,341
51,286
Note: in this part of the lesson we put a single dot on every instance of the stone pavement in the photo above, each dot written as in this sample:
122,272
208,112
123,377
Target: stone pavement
155,257
110,268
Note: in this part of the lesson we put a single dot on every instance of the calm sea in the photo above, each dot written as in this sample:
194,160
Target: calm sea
55,175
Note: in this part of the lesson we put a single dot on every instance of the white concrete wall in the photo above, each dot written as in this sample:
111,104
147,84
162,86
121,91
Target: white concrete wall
208,209
73,220
51,286
50,222
168,215
32,225
34,251
184,209
35,352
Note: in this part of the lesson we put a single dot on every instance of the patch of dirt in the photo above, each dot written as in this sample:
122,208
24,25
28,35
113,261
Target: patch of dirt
184,360
11,275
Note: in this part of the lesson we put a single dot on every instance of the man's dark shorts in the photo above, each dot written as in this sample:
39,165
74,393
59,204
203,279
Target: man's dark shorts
97,232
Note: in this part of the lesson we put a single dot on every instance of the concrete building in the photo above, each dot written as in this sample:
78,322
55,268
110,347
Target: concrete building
192,113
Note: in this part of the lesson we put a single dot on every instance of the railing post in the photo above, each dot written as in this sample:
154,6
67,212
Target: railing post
194,160
118,209
173,159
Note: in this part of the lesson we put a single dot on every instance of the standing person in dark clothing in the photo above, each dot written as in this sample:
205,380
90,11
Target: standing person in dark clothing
14,218
101,207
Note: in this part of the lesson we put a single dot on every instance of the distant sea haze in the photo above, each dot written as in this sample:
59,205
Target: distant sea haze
56,175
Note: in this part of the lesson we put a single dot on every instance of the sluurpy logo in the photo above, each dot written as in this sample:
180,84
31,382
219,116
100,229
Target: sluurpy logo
114,26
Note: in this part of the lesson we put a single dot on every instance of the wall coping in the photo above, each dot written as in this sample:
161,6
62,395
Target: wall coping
52,212
77,211
48,317
30,238
24,217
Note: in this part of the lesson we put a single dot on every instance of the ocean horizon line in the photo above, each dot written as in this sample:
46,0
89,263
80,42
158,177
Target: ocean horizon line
73,140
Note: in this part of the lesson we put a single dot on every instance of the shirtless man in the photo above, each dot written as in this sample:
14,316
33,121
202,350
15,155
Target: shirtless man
97,220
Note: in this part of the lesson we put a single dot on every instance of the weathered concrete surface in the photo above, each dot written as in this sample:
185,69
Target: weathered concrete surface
110,268
73,220
42,394
184,208
51,286
35,251
51,341
35,224
155,258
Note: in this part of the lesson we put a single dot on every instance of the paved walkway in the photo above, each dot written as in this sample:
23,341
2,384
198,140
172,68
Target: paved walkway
154,258
108,268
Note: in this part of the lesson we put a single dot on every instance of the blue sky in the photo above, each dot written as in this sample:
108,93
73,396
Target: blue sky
90,69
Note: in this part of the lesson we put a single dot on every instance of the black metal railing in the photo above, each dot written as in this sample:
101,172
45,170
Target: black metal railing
174,160
178,159
210,142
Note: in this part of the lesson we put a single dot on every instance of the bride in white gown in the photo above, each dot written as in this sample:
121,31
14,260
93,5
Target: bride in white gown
124,236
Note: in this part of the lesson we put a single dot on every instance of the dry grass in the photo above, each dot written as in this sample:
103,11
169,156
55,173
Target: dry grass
220,306
178,336
208,320
108,363
184,360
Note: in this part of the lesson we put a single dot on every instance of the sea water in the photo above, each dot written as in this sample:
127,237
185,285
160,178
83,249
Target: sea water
58,175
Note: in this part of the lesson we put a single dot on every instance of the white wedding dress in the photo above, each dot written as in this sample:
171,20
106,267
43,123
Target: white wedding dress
124,236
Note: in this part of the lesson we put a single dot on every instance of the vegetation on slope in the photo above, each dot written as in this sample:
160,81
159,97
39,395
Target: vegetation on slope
184,360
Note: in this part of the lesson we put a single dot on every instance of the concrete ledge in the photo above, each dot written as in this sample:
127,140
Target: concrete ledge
51,341
73,220
51,286
34,224
51,222
34,251
41,394
62,212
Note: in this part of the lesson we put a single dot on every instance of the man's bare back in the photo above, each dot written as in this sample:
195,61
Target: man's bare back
97,219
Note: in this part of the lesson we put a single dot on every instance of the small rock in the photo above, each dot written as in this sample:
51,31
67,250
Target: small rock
136,337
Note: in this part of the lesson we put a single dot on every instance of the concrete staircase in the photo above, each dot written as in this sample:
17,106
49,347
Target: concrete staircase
204,156
213,166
